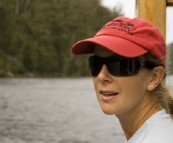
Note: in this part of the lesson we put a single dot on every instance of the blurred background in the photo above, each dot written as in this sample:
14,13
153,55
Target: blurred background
36,36
46,94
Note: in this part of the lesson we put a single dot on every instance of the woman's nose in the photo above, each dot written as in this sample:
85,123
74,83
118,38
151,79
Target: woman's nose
104,74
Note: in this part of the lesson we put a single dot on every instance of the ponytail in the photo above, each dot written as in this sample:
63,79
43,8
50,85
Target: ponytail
164,98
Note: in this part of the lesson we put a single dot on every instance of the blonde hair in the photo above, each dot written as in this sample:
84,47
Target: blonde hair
162,93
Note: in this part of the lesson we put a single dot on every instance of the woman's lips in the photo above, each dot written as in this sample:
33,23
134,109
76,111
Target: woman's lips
108,95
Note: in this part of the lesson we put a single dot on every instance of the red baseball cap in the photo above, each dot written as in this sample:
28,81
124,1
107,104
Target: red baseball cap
126,37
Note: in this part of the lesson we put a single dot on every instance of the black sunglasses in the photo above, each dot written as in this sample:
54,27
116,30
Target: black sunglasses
118,65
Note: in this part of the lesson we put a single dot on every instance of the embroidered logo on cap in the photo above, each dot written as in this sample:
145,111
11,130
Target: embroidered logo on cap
119,25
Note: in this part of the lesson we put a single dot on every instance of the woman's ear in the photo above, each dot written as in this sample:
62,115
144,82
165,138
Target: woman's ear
156,77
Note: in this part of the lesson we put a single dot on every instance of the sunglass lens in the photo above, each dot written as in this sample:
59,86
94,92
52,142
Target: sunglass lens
123,66
115,66
94,71
95,65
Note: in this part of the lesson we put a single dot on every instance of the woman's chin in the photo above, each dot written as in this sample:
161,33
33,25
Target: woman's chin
108,111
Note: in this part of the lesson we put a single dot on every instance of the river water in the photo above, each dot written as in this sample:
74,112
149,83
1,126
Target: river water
61,110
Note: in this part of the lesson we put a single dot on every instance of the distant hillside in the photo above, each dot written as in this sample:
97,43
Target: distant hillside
36,35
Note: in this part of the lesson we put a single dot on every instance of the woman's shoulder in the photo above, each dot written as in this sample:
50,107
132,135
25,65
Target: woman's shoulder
159,129
160,120
159,134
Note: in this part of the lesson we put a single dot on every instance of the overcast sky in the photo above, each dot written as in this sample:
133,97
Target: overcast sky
129,10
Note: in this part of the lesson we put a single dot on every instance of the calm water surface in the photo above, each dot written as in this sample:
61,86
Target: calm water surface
55,111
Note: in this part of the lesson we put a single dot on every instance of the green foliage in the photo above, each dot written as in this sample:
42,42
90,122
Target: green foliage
36,35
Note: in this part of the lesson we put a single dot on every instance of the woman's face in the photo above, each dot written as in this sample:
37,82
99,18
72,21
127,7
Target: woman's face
120,95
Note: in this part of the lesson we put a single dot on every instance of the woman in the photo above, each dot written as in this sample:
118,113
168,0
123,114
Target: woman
128,68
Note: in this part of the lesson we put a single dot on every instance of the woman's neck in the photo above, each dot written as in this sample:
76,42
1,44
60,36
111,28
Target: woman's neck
132,122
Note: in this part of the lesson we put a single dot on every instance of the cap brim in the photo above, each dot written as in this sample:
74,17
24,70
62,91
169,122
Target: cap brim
117,45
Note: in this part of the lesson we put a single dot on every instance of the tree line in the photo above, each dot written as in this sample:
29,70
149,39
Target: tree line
36,35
